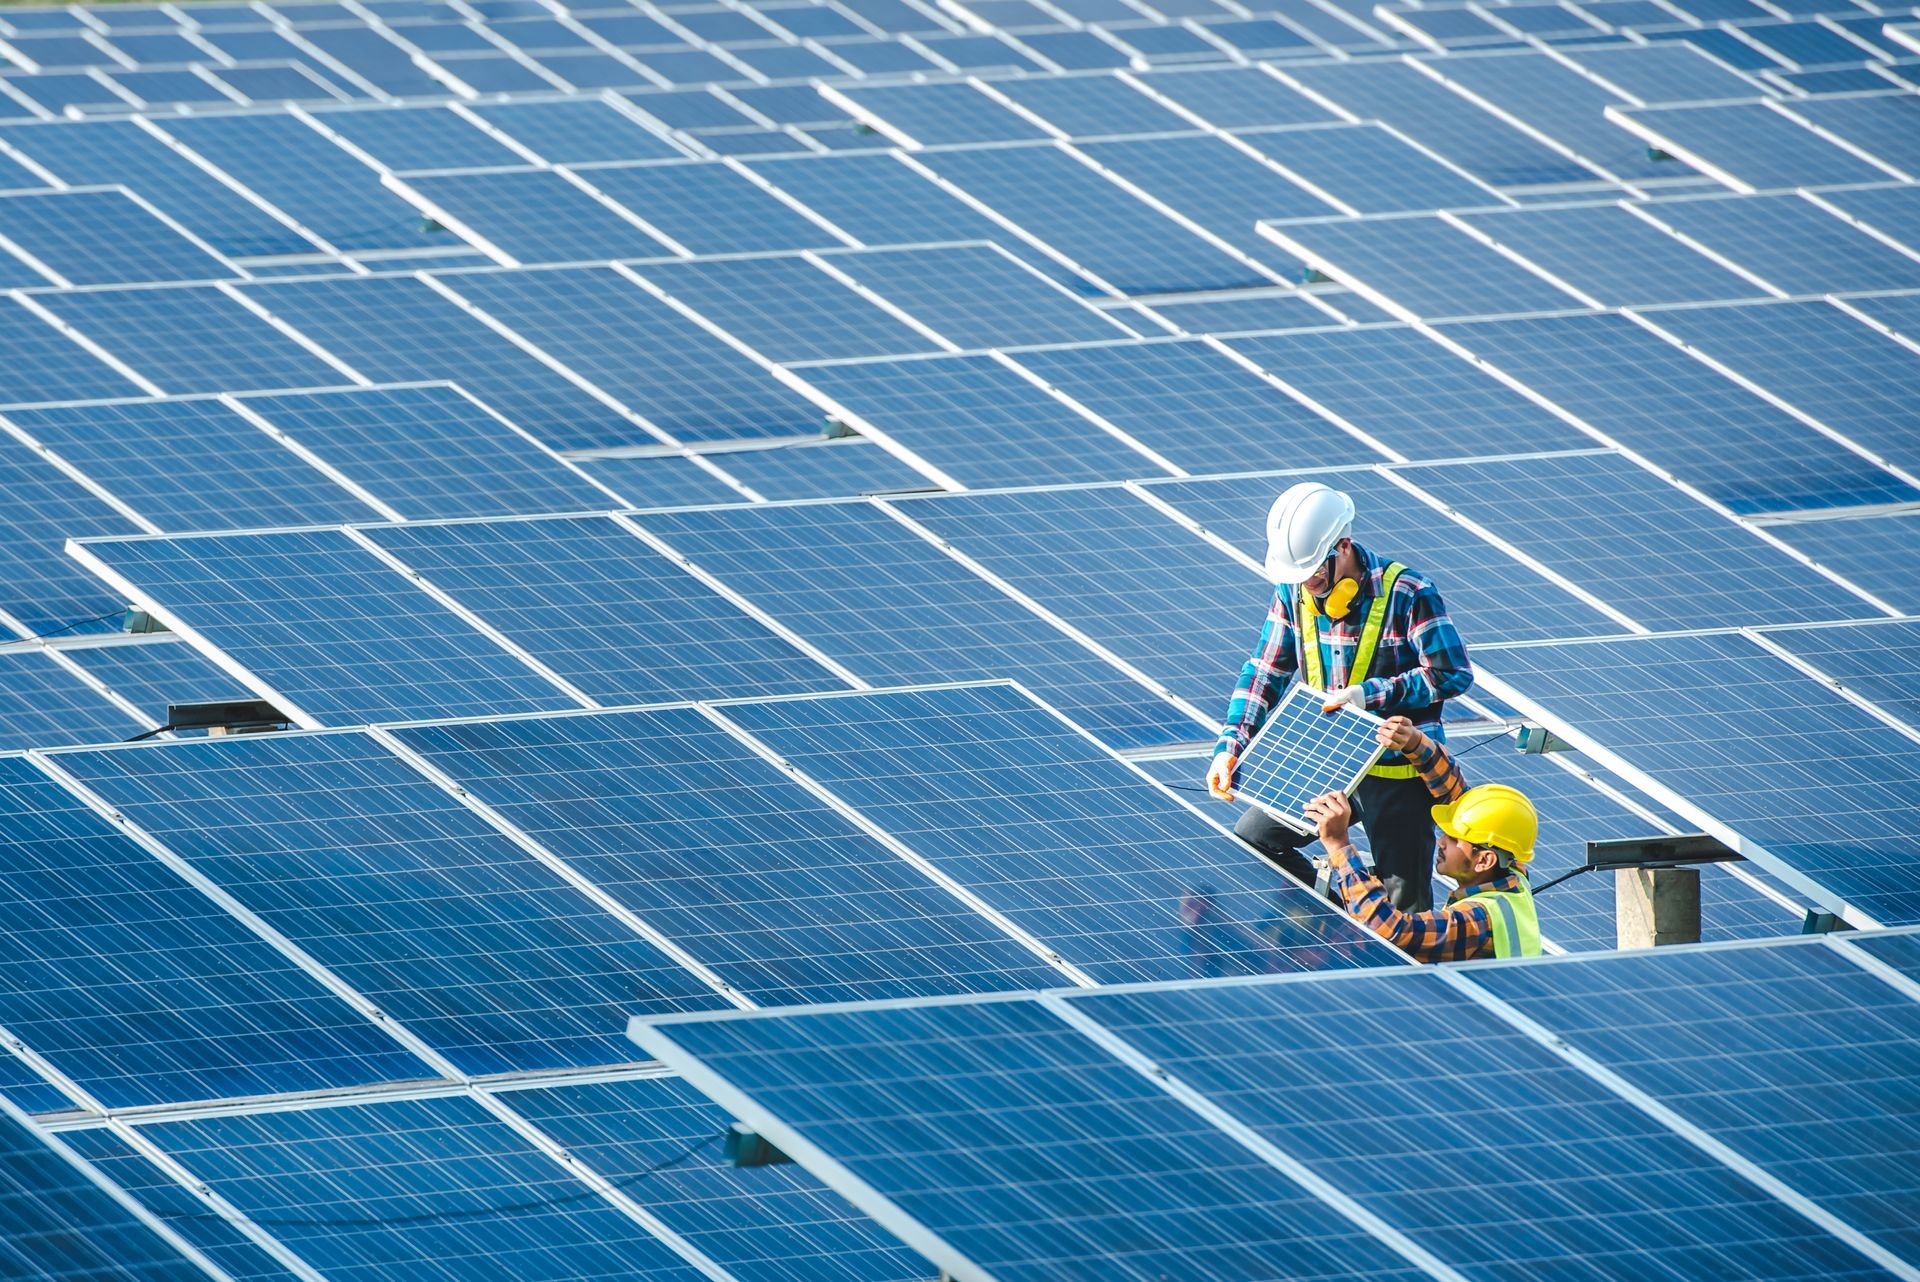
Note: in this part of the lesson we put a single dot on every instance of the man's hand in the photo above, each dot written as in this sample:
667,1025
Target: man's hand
1350,696
1398,734
1332,815
1220,776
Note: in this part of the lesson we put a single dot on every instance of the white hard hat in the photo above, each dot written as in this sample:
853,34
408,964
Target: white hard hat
1302,528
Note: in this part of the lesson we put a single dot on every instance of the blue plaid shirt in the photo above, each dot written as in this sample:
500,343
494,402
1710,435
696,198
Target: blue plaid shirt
1419,663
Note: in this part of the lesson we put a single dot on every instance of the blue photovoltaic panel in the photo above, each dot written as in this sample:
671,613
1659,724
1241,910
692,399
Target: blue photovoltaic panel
45,365
430,452
378,61
396,329
1235,97
190,465
794,104
403,892
660,480
28,1090
418,138
1492,596
926,115
1096,224
1653,398
1214,184
723,853
631,345
63,1226
688,109
290,83
1645,700
102,238
1302,753
575,131
1872,552
1428,112
1195,405
1097,862
1424,266
1877,661
491,73
1791,242
327,624
1089,106
193,339
898,611
535,216
976,296
1619,1194
1366,167
593,601
317,183
57,92
153,672
1818,359
45,507
1885,126
1611,527
44,705
165,89
709,208
1410,393
974,419
786,309
1558,101
1792,1056
943,1112
1891,211
763,1225
1804,44
143,990
1158,595
1227,314
827,469
1613,257
428,1189
752,142
1754,144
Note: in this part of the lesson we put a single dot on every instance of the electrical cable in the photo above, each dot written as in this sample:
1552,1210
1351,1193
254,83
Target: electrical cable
41,636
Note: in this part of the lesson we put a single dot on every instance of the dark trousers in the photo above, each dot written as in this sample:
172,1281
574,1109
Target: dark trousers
1397,814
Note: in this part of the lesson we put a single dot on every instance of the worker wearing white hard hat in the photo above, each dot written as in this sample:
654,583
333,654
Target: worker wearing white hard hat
1371,632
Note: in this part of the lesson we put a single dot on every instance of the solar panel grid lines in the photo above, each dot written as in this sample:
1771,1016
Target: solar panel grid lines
38,308
1852,677
1302,753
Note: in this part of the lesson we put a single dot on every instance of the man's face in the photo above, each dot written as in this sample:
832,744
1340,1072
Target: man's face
1324,578
1460,860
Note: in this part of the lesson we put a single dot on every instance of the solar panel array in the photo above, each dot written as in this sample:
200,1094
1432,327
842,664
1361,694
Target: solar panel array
757,503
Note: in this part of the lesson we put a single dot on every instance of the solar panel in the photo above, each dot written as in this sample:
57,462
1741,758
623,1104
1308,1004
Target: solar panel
660,480
1748,146
611,615
1741,1043
709,208
1099,226
44,364
1369,168
154,671
1613,257
1302,753
1157,595
786,309
1233,97
1067,842
396,329
1870,551
575,131
532,216
318,184
1656,400
189,339
1194,405
425,1186
1248,311
760,1225
326,624
897,611
922,115
1558,101
976,296
430,451
101,237
1894,212
1643,700
66,1223
40,588
1088,106
973,418
1609,527
1876,662
1420,267
380,875
774,891
44,704
836,468
190,464
1882,125
1792,242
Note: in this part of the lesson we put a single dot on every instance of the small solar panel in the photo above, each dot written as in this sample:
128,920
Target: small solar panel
1302,753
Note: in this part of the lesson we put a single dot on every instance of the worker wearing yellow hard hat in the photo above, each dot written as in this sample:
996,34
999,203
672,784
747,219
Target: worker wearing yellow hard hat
1487,835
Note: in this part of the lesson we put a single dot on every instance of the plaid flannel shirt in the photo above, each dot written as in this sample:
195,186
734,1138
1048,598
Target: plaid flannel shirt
1457,932
1420,652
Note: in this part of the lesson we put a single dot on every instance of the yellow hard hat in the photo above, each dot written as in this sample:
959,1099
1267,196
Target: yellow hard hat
1492,815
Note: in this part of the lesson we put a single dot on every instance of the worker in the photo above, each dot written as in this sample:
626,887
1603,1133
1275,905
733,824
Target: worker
1371,633
1487,836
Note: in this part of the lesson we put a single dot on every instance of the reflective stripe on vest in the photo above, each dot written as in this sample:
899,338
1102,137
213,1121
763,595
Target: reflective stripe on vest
1309,615
1516,923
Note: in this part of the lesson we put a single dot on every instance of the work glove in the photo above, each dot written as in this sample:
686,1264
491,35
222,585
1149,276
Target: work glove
1220,776
1352,696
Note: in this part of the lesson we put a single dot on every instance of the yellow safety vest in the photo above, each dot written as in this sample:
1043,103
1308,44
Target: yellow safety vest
1309,615
1516,923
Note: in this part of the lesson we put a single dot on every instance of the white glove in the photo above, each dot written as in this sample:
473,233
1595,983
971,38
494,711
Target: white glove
1353,697
1220,776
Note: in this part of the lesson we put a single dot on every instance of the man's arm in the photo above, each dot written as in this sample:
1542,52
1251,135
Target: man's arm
1262,679
1427,755
1455,933
1444,671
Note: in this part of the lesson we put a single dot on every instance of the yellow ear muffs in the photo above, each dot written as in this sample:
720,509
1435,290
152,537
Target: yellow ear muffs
1340,599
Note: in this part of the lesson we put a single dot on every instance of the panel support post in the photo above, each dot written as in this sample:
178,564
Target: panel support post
1655,906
